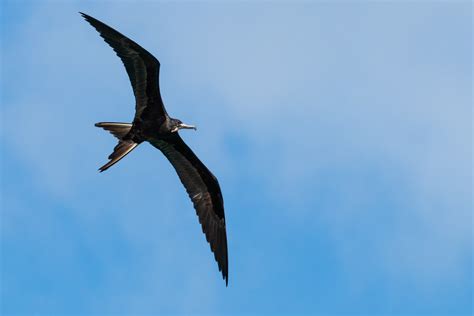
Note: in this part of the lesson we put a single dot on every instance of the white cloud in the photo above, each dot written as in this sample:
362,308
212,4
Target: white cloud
315,111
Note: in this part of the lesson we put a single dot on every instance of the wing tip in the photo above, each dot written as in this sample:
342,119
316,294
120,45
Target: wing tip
85,16
91,20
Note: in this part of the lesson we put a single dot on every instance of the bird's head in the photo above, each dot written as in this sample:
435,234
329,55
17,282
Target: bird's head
176,125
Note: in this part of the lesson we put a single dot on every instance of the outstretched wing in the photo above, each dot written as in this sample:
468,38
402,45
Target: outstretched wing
204,191
142,68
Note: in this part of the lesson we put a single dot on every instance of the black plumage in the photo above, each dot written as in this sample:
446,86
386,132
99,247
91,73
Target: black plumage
152,123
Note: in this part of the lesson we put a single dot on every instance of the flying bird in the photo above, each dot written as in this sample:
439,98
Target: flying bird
153,124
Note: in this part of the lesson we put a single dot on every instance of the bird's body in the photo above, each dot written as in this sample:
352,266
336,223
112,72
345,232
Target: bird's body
153,124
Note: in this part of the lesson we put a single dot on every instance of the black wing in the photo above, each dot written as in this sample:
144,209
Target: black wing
204,191
142,68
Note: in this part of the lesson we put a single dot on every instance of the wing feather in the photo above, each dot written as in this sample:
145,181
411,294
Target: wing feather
205,193
142,68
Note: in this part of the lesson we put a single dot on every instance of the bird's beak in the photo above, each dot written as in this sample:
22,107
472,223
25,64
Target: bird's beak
183,126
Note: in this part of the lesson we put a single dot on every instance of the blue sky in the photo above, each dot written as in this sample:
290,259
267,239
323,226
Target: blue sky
340,133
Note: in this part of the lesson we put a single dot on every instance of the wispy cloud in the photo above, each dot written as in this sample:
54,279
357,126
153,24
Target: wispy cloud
344,158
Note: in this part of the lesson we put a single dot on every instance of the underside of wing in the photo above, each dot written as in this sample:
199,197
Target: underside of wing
142,68
205,193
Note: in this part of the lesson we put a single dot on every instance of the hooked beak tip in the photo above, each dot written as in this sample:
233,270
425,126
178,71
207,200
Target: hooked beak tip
185,126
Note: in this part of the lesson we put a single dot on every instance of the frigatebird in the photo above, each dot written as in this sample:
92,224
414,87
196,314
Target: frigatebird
153,124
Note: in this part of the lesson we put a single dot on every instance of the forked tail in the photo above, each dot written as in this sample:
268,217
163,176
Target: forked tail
123,147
